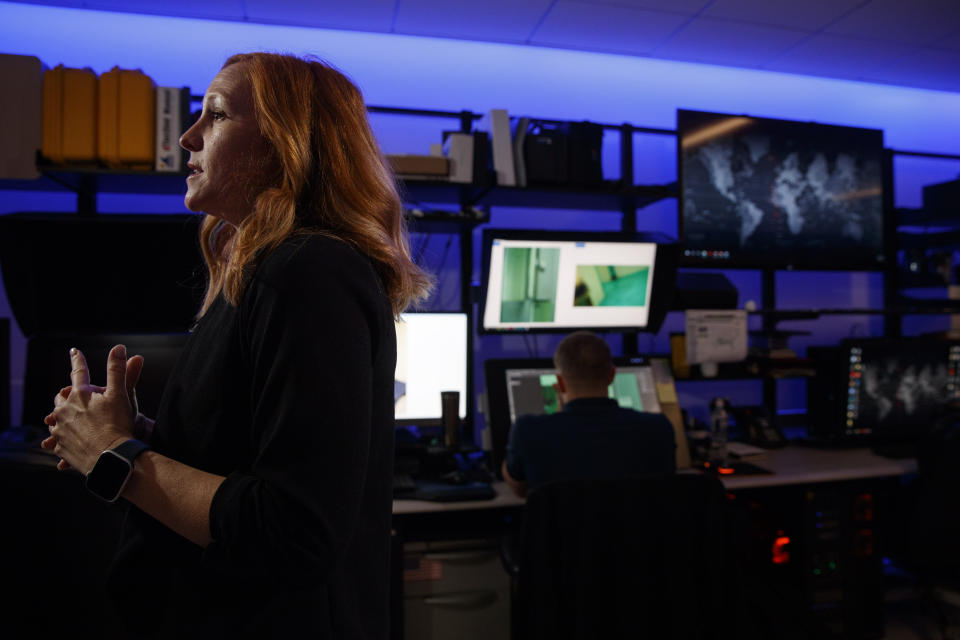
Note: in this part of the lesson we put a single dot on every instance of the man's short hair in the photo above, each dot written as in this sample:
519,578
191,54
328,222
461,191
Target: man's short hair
583,359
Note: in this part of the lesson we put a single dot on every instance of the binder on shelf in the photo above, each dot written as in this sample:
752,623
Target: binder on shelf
21,127
497,122
126,119
173,116
520,126
69,115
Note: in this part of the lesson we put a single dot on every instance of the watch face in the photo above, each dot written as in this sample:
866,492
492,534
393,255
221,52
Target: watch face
108,477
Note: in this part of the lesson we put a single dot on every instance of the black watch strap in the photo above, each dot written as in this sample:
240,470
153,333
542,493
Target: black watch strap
130,449
113,468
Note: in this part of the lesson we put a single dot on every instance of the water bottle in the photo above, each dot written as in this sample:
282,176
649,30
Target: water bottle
719,419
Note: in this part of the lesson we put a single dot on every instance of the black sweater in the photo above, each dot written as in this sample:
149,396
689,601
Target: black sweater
290,396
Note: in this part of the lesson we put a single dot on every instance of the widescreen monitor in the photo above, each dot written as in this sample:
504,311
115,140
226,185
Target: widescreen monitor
881,390
542,281
431,357
761,192
518,387
897,389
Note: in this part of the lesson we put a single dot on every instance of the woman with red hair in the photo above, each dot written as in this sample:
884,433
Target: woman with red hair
259,501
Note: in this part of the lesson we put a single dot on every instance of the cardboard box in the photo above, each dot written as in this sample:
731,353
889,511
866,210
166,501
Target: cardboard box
21,118
418,165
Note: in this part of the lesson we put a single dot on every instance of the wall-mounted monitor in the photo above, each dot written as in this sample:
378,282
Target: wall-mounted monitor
550,281
879,390
760,192
431,357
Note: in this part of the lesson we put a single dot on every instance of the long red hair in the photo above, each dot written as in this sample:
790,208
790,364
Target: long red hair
333,179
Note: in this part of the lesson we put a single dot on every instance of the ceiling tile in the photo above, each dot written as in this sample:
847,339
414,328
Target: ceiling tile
217,9
725,42
602,27
809,14
360,15
688,7
902,42
839,57
917,22
929,68
496,20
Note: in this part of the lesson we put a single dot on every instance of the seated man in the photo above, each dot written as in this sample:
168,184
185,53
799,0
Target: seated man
590,436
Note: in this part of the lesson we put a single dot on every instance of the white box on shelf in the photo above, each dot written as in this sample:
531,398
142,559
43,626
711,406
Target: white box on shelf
458,147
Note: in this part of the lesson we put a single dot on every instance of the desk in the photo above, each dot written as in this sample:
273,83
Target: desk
796,465
791,465
505,499
805,482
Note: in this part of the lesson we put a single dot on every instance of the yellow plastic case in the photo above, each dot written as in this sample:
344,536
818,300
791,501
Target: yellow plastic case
126,121
69,116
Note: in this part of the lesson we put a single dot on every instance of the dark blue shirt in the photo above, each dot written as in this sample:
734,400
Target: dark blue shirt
590,438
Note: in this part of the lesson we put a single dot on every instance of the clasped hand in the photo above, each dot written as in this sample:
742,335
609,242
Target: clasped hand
89,419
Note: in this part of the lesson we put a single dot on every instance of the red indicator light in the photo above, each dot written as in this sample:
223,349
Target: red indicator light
780,553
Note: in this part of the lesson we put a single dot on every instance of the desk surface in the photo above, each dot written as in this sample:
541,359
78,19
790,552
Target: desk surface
791,465
806,465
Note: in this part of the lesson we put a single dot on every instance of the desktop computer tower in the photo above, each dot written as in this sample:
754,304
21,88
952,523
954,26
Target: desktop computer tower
813,558
842,558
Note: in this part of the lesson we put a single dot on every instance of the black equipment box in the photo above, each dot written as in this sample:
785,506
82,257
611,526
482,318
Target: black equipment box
563,153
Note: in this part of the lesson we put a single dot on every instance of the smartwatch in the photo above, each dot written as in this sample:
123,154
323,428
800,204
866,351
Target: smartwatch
112,470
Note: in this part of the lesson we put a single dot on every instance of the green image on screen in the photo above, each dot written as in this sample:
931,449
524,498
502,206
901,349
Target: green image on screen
549,394
611,286
623,389
529,286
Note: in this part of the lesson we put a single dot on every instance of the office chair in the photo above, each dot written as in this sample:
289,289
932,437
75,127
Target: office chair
642,557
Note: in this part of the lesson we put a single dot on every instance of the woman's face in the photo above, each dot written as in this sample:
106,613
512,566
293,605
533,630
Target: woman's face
229,158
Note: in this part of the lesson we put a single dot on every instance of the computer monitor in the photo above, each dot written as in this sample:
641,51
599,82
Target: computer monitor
885,390
550,281
48,367
518,387
760,192
431,357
